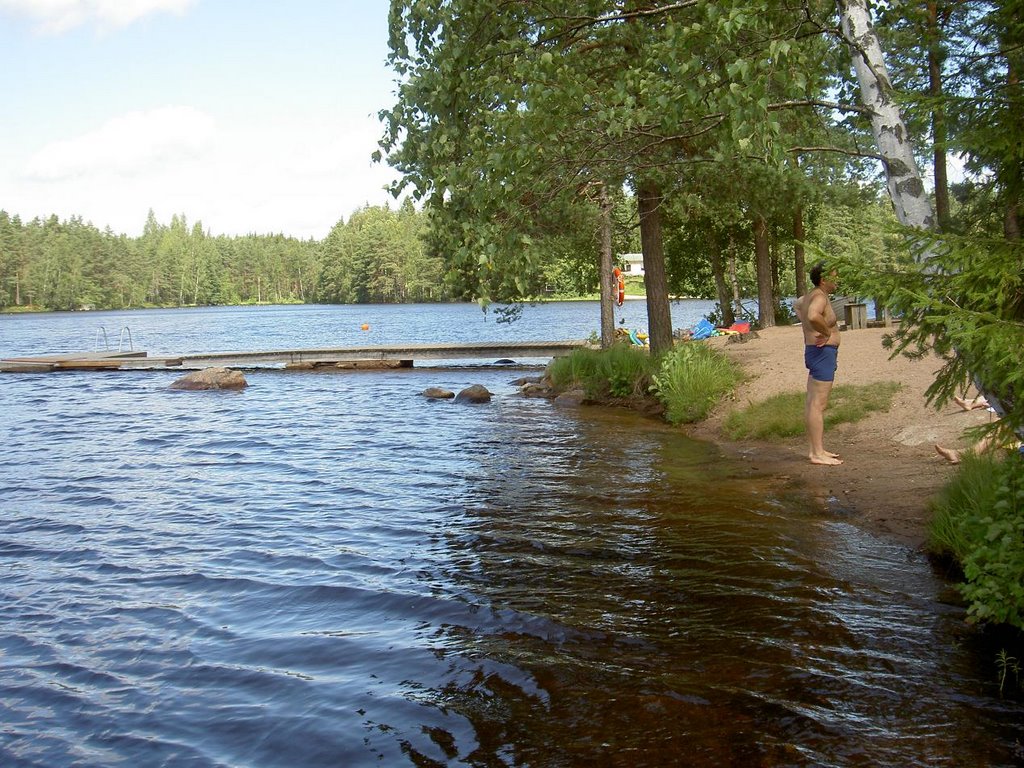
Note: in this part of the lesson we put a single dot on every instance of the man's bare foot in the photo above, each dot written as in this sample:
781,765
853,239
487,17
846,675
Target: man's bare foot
832,455
827,459
949,454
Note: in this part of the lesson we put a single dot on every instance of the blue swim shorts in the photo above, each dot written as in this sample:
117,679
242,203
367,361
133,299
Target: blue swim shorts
821,362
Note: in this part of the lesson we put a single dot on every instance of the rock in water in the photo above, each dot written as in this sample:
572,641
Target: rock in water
572,398
438,393
475,394
211,378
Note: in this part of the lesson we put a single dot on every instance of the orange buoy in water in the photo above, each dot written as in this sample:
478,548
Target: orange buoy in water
365,327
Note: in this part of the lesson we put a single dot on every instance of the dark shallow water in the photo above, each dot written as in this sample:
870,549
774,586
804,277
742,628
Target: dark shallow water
328,569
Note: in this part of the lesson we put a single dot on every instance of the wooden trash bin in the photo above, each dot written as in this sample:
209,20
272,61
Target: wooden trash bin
882,315
856,316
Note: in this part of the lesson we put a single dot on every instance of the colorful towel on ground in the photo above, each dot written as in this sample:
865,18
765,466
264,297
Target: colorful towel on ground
703,329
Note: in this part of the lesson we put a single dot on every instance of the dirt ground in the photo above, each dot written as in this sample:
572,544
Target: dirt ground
890,467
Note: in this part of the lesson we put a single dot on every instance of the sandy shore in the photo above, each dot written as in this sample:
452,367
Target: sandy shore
890,467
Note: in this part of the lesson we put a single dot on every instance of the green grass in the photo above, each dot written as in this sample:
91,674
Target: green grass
691,379
783,415
688,381
622,371
979,522
960,506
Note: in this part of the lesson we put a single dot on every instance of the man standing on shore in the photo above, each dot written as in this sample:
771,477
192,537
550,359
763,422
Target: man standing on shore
821,351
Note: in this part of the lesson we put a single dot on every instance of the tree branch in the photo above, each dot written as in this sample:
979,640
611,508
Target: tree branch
838,150
818,103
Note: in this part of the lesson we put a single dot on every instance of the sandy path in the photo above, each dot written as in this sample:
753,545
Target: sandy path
890,466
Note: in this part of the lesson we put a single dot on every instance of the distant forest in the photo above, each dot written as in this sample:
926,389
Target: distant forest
378,255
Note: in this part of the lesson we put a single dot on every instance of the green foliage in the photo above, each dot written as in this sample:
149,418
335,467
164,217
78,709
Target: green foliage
994,568
622,371
378,256
692,379
979,522
859,226
783,415
962,503
964,303
688,381
511,118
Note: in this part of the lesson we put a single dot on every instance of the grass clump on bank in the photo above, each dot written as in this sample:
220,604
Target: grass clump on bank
783,415
691,379
687,381
979,524
621,372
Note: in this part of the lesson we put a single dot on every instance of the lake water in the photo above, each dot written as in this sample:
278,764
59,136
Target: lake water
331,570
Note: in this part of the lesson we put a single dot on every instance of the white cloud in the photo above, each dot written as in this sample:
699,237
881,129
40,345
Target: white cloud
132,144
297,174
56,16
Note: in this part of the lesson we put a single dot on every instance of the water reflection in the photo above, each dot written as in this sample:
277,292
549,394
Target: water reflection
649,604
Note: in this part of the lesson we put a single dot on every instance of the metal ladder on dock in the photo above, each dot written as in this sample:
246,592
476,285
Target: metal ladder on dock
106,341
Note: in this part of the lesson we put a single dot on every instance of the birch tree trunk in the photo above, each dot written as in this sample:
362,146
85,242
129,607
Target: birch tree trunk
903,178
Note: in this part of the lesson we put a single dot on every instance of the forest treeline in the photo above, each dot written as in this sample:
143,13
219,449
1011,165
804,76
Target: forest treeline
378,255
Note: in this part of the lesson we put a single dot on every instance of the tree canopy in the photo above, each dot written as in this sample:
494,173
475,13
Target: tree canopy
719,116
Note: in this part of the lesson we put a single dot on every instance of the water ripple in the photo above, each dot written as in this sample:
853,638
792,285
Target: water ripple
333,570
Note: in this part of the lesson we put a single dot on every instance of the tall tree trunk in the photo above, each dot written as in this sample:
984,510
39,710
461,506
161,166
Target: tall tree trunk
1011,220
765,298
608,290
721,287
903,178
659,315
936,56
798,251
1011,217
734,279
773,256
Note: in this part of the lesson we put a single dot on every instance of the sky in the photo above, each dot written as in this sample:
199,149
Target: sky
249,116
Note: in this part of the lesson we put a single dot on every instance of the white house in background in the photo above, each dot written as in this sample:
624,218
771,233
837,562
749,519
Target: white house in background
632,264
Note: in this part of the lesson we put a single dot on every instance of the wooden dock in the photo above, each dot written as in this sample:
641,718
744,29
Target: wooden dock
383,356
